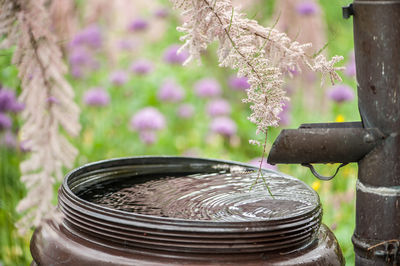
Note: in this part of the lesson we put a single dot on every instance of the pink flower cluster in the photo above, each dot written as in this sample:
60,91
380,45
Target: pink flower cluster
8,104
96,97
217,108
341,93
82,50
147,122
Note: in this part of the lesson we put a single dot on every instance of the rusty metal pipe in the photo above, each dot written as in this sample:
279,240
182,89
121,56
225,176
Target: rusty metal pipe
324,143
376,237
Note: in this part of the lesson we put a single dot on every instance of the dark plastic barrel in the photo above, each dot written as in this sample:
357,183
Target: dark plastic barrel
184,211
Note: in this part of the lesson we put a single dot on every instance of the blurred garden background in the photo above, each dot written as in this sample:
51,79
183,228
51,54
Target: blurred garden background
136,98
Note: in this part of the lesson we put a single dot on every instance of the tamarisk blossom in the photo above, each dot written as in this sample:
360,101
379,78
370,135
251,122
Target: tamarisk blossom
258,53
261,54
26,25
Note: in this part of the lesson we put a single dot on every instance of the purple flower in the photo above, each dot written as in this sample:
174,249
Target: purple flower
207,87
90,36
148,118
237,83
284,119
142,66
350,70
186,110
293,70
9,140
340,93
147,136
284,116
76,72
218,107
224,126
17,107
118,78
7,98
161,12
125,45
96,97
79,57
138,24
257,162
307,8
8,101
172,56
5,121
52,100
170,92
24,146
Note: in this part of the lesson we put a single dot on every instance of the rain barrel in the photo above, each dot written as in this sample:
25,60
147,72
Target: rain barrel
184,211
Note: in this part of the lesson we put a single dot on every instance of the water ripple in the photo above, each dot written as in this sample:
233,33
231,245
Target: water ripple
218,197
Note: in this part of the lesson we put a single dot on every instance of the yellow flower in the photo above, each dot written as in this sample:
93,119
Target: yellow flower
88,137
339,118
316,185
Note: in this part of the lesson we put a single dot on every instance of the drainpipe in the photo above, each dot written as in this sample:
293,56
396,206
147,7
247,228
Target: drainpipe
374,142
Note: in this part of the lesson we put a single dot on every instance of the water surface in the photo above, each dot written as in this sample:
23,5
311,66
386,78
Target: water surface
215,196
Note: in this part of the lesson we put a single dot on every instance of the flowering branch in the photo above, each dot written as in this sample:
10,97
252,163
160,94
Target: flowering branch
258,53
48,100
261,54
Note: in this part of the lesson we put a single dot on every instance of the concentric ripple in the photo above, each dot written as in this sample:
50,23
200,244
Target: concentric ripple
227,197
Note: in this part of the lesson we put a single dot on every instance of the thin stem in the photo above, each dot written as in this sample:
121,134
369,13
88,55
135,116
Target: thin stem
260,173
263,154
230,22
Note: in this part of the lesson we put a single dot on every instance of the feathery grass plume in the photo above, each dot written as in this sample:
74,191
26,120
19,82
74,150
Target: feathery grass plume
25,24
258,53
64,19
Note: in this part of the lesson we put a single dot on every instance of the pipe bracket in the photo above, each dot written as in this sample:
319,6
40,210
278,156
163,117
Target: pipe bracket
347,11
321,177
